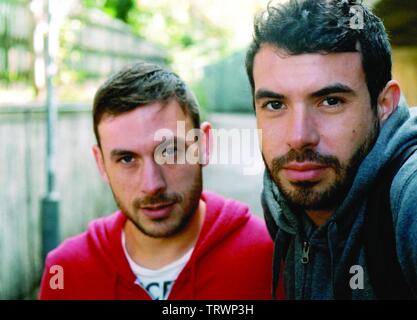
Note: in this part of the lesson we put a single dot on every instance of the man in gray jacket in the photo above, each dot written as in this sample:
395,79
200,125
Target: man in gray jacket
341,180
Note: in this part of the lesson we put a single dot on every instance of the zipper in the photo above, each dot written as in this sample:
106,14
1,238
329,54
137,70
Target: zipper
305,259
305,256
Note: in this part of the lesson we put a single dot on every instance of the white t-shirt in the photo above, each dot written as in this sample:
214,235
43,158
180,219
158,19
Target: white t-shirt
157,283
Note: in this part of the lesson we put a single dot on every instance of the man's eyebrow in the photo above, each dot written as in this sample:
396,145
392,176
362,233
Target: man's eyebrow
334,88
176,140
121,152
263,93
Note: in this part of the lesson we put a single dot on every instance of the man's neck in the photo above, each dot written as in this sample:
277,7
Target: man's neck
154,253
319,217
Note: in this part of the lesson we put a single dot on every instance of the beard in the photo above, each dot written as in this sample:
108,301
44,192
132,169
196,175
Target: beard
184,210
304,195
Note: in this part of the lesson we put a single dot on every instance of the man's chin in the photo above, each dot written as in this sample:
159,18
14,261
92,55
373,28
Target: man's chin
164,227
157,228
311,195
157,233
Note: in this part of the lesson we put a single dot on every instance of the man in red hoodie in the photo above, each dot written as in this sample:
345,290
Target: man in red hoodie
169,240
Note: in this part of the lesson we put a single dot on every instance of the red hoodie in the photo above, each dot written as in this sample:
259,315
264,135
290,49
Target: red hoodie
231,260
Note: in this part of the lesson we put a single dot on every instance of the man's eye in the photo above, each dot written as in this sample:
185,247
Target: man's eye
169,151
332,102
126,159
273,105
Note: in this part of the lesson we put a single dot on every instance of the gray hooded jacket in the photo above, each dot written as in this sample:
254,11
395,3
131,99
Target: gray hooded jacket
317,259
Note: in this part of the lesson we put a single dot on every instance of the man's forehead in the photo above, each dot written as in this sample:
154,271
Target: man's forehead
280,55
146,117
273,66
137,129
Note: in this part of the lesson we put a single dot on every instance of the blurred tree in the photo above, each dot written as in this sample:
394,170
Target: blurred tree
193,31
400,19
120,8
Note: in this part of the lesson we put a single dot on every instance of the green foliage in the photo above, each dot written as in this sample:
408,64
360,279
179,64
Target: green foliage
177,35
93,3
193,33
187,40
119,9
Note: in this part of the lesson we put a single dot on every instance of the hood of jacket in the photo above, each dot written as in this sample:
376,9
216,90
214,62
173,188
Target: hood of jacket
221,219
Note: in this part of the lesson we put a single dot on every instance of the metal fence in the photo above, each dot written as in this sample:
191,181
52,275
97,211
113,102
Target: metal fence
92,44
22,181
97,45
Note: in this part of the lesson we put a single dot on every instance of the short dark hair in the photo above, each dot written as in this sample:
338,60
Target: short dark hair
140,84
324,26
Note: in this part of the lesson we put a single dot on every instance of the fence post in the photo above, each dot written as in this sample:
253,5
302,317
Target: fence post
50,203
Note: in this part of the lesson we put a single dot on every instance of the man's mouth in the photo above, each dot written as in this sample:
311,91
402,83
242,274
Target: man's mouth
304,171
157,210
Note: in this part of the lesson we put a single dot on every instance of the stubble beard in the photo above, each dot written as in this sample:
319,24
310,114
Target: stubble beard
180,217
304,195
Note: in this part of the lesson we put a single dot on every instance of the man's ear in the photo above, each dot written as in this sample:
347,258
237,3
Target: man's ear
206,143
388,100
98,156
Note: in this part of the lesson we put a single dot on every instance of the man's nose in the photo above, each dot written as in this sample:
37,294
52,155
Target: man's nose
152,180
302,129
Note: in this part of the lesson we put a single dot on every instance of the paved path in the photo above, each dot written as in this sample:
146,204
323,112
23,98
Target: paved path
241,177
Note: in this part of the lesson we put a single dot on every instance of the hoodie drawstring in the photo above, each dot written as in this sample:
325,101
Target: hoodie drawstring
276,264
281,244
332,234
